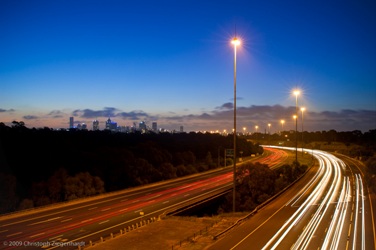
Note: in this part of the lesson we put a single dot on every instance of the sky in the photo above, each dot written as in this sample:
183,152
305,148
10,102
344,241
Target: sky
172,62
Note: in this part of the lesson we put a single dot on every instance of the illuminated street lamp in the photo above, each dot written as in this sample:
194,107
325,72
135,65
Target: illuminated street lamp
296,93
244,129
236,42
282,123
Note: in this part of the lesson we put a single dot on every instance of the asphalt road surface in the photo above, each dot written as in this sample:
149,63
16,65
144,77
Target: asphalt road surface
77,223
329,208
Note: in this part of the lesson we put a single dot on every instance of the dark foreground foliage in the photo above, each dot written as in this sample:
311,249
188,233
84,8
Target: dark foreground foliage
257,183
42,166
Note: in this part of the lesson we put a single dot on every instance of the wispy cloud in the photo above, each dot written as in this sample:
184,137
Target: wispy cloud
89,113
30,117
6,110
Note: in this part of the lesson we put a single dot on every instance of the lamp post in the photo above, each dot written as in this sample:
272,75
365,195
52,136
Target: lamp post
296,138
235,41
282,122
296,93
269,132
302,109
256,127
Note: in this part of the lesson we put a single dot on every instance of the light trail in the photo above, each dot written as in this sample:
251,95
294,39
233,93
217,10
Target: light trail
328,187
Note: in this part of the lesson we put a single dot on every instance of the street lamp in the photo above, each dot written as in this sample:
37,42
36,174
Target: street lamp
296,138
236,42
302,109
282,122
244,128
269,132
296,93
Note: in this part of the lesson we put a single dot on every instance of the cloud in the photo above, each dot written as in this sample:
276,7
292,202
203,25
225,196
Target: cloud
134,115
30,117
222,118
227,105
6,110
56,114
112,112
89,113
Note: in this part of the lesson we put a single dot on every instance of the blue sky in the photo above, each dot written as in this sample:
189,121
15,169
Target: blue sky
172,62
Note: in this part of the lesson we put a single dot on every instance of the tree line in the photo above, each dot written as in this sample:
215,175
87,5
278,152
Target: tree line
44,166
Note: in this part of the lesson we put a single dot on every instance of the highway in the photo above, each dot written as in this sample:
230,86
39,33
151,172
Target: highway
76,223
329,208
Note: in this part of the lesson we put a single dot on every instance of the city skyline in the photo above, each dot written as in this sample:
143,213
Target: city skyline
171,63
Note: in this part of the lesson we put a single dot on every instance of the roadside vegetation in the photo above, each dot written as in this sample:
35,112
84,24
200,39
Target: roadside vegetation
371,173
256,183
42,166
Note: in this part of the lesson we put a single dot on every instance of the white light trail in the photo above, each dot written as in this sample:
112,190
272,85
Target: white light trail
330,187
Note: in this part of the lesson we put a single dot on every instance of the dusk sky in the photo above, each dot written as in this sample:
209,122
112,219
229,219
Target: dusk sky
172,62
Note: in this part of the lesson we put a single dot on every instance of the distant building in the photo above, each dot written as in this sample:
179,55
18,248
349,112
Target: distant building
142,127
154,127
110,125
95,125
84,126
71,122
181,129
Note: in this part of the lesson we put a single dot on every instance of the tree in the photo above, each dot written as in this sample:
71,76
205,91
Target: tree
82,185
371,173
8,196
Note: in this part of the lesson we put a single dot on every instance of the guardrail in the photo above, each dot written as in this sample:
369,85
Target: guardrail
122,231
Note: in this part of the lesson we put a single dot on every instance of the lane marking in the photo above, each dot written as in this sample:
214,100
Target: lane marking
10,235
36,235
66,220
56,237
43,221
86,220
103,222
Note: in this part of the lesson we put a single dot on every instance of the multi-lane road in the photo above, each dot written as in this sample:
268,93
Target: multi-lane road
77,223
330,208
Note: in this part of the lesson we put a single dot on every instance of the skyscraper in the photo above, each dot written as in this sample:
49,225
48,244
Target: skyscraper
95,125
154,126
110,125
71,122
